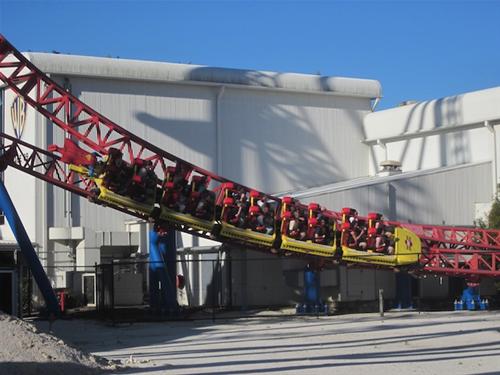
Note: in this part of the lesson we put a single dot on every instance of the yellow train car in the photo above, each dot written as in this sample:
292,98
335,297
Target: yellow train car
230,211
407,251
186,219
407,245
147,208
108,196
306,247
292,212
247,235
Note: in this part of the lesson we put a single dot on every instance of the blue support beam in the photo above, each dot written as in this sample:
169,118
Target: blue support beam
404,297
312,297
162,272
28,251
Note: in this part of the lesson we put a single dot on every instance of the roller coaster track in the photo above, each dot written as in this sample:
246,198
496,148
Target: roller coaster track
452,251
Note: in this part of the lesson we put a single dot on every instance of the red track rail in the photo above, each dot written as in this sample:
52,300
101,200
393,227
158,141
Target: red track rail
456,237
470,264
41,164
446,250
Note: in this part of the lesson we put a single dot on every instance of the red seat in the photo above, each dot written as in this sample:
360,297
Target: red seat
345,226
314,206
254,194
287,200
348,211
254,210
228,201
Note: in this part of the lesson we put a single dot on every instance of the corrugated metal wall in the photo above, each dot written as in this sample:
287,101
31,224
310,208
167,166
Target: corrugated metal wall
281,141
443,197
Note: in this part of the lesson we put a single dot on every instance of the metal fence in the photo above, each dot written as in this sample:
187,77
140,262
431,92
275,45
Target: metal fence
195,286
203,286
192,288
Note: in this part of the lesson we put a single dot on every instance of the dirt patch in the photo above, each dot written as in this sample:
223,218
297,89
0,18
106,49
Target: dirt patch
25,350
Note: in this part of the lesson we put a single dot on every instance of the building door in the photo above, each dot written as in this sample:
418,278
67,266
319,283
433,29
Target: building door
89,289
6,292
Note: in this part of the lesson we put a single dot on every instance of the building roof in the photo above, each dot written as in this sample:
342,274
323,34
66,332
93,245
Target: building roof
369,180
453,113
101,67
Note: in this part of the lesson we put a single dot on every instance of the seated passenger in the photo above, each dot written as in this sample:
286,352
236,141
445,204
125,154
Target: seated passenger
144,181
205,207
198,186
181,203
239,218
320,232
265,221
379,243
353,218
298,226
357,238
330,234
293,225
117,173
174,185
390,241
262,201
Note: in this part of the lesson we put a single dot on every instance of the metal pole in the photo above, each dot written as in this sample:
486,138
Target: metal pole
229,261
381,302
213,291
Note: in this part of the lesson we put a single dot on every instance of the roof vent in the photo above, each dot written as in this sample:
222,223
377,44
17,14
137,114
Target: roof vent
407,102
390,168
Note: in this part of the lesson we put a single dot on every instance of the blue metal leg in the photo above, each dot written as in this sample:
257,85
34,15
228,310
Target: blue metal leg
403,291
471,298
28,251
312,299
162,272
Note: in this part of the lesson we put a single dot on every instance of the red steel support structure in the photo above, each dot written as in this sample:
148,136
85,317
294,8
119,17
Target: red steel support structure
464,252
456,251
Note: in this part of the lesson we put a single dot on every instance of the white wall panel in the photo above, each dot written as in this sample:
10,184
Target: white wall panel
21,186
438,150
446,197
177,118
279,141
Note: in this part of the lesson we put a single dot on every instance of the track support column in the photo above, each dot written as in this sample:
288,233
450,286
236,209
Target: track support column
28,251
162,272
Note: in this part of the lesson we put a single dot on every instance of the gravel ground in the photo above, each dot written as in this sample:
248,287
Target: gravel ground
24,350
400,343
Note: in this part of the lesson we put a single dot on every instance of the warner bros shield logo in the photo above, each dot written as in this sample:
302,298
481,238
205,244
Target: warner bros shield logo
18,116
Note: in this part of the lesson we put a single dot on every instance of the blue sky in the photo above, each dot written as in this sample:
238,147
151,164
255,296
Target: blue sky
417,49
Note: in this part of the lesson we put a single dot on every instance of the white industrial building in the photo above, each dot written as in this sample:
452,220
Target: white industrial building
310,136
